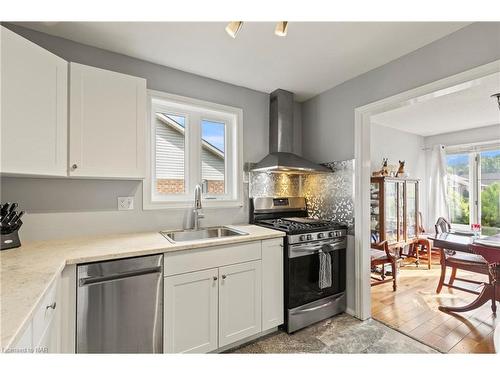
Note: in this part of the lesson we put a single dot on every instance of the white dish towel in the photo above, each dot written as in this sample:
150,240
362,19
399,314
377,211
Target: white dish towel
325,270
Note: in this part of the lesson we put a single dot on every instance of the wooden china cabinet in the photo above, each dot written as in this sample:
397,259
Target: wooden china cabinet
394,210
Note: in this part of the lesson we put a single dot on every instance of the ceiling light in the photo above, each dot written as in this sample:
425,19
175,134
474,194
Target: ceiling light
498,98
232,28
281,28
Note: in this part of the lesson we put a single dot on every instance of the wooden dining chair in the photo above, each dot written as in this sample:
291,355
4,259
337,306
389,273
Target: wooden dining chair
422,248
458,260
381,255
442,225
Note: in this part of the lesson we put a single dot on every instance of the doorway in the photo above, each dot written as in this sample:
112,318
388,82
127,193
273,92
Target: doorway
363,153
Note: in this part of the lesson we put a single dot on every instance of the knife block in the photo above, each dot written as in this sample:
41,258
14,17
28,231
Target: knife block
10,240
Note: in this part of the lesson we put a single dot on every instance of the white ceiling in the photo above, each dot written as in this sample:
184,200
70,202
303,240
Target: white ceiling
311,59
465,106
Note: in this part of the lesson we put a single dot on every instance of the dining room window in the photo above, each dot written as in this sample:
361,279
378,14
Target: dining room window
473,186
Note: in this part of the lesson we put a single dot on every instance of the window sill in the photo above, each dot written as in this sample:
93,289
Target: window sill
189,204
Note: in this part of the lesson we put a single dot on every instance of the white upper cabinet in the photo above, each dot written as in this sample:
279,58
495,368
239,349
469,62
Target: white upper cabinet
34,108
107,123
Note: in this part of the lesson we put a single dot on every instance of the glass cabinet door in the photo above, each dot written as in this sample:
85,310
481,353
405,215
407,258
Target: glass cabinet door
401,212
391,211
411,209
375,220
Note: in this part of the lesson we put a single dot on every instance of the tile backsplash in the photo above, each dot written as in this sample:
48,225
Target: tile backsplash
329,196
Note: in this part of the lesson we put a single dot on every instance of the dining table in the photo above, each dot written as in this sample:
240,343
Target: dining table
486,246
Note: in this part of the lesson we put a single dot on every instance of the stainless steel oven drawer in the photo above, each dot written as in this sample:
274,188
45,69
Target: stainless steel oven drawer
316,311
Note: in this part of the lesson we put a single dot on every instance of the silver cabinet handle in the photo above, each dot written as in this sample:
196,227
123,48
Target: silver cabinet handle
224,277
215,278
51,306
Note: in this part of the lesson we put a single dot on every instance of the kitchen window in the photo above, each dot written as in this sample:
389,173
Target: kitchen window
193,142
473,180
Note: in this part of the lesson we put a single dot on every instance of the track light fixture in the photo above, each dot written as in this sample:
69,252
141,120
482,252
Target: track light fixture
281,28
233,28
497,96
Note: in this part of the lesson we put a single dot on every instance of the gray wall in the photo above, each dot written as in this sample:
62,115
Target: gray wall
328,119
59,208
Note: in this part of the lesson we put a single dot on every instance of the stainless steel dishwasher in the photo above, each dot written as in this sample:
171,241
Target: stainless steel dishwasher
120,306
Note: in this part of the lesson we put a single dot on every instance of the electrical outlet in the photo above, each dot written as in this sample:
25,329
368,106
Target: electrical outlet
125,203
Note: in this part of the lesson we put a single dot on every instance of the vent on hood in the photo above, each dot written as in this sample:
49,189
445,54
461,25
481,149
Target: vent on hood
281,158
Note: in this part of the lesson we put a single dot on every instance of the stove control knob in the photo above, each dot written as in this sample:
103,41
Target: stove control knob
302,237
331,234
321,235
309,237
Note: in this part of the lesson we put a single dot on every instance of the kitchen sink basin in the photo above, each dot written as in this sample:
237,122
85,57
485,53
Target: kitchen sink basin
201,234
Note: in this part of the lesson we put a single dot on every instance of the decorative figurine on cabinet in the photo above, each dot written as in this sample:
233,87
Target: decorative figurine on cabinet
384,171
401,170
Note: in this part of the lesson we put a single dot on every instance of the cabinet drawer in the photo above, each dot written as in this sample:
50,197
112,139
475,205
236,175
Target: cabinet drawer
45,312
204,258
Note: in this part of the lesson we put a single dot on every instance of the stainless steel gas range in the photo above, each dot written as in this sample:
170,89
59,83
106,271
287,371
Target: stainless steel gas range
311,247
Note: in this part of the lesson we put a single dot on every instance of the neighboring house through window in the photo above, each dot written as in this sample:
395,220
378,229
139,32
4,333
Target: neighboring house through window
193,142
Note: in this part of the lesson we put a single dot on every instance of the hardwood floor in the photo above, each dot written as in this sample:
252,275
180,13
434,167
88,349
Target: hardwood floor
413,309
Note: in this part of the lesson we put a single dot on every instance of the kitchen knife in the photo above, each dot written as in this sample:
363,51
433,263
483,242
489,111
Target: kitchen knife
16,219
6,219
4,209
13,207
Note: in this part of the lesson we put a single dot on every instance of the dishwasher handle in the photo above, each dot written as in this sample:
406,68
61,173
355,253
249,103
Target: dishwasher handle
117,276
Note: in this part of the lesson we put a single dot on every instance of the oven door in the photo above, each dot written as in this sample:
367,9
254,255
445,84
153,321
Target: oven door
303,271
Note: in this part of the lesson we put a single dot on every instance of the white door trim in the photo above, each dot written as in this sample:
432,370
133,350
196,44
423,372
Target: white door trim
362,171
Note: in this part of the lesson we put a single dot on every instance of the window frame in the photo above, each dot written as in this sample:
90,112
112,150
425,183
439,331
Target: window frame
474,152
195,111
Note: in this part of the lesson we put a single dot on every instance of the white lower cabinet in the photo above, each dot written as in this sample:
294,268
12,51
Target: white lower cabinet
272,283
43,332
239,301
209,309
191,304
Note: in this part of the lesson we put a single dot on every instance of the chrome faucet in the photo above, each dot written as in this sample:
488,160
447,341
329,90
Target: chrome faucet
197,213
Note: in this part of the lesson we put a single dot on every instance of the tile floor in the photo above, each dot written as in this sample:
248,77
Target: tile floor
340,334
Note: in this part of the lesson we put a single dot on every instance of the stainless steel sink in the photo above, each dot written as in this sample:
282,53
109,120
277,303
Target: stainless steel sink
201,234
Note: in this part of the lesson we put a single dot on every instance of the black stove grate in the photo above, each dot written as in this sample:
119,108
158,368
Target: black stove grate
299,225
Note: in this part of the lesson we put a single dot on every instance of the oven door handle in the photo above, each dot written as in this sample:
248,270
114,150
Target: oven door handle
316,248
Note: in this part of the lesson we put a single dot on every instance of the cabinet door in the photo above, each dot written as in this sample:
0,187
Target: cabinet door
25,342
191,312
272,281
239,301
411,207
34,108
107,123
391,213
49,343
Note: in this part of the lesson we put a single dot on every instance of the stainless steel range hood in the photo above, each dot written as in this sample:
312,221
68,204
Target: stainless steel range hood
281,158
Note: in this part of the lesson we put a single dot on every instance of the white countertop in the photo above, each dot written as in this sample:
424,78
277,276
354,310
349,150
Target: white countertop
28,271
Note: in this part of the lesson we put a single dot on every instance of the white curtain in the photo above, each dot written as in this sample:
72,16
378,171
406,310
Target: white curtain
436,185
